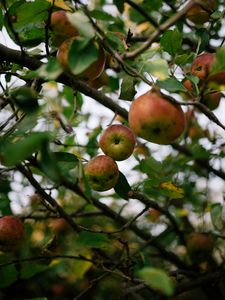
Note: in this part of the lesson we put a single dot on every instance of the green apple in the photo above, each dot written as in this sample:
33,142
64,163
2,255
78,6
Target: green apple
156,119
117,141
101,173
11,233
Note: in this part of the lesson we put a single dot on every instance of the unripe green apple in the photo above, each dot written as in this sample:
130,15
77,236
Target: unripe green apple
101,173
200,246
93,71
11,233
155,119
117,141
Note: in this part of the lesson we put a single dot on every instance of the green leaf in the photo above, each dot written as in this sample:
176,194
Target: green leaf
92,240
1,19
122,187
29,271
29,21
171,85
184,59
49,71
128,91
151,165
158,280
16,151
81,22
219,64
171,41
119,4
216,215
101,15
8,276
83,52
157,67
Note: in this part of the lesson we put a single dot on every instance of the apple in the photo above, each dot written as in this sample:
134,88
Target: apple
202,64
211,100
101,173
11,233
93,71
200,12
153,215
156,119
61,27
117,141
25,98
59,225
200,246
97,83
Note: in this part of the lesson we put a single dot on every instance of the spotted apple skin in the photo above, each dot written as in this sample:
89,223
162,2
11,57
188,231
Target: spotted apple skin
11,233
156,119
101,173
117,141
202,64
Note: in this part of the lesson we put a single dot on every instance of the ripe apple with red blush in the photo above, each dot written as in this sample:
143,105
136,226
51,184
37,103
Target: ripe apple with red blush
101,173
90,73
117,141
156,119
11,233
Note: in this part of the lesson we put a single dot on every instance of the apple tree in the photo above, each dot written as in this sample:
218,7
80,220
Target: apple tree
112,162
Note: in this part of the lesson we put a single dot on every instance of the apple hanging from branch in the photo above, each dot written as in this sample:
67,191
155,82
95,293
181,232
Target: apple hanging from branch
101,173
156,119
11,233
117,141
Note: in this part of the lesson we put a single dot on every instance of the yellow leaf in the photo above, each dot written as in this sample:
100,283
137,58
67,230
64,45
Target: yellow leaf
60,4
172,190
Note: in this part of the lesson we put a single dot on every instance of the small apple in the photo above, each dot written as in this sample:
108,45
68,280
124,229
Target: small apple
61,27
11,233
211,100
59,225
25,98
156,119
93,71
200,12
200,246
153,215
101,173
202,64
117,141
201,67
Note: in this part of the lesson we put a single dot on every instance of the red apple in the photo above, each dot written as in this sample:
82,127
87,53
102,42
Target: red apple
211,100
153,215
11,233
200,246
117,141
93,71
59,225
101,173
156,119
201,67
202,64
61,27
200,13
